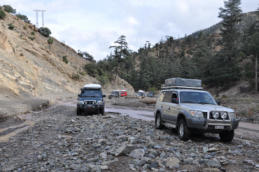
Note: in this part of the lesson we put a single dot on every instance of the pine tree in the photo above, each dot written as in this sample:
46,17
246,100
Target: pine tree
223,70
231,16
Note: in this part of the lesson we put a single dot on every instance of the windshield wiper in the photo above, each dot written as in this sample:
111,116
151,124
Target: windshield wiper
207,103
191,102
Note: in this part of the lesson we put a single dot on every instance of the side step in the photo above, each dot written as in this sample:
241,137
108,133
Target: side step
169,125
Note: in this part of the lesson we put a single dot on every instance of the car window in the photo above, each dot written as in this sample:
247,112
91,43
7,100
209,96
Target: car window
168,97
91,93
196,97
161,97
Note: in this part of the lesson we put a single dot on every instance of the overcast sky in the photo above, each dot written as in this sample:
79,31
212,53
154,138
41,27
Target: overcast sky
93,25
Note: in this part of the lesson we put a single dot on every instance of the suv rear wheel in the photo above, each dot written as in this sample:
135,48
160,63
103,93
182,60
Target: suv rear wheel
183,130
158,121
226,136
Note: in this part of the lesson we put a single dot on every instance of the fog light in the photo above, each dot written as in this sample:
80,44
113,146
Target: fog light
215,115
224,115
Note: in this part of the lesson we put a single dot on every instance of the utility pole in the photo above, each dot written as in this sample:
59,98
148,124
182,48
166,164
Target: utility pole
256,73
37,16
42,17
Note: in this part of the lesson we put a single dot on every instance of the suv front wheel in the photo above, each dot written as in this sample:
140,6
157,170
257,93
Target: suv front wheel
78,111
183,130
226,136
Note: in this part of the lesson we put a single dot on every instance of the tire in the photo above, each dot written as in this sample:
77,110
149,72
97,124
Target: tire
158,121
183,131
78,112
102,111
227,136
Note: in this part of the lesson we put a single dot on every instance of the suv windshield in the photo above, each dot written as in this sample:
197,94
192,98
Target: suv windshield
196,97
91,93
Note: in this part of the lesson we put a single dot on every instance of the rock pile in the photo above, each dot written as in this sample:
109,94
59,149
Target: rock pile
64,142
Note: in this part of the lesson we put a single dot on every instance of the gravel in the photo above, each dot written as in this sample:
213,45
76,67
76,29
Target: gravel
62,141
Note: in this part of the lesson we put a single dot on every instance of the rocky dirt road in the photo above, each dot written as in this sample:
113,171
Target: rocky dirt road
56,139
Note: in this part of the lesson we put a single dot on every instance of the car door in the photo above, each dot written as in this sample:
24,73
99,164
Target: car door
165,107
173,108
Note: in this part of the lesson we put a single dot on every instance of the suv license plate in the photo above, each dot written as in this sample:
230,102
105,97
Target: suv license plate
219,127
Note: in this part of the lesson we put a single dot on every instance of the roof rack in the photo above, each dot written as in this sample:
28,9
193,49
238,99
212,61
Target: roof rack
180,87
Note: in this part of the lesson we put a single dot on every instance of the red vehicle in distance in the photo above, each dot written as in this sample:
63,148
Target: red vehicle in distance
123,93
118,93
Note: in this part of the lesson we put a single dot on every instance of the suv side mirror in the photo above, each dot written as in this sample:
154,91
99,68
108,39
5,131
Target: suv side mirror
218,102
104,95
175,100
79,95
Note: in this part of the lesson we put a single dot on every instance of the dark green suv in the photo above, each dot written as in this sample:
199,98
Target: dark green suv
90,100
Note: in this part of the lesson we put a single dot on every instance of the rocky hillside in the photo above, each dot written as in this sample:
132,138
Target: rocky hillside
31,68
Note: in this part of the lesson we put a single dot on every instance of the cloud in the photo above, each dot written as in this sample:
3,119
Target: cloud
132,21
94,25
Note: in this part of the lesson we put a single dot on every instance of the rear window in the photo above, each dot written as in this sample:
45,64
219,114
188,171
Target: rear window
168,97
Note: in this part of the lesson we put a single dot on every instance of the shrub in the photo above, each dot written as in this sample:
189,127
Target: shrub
44,31
91,69
75,77
31,38
10,26
23,17
24,27
2,14
9,9
50,41
32,33
65,59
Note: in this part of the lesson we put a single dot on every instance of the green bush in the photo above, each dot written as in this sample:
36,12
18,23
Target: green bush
65,59
2,14
23,17
31,38
32,33
10,26
9,9
44,31
50,41
91,69
75,77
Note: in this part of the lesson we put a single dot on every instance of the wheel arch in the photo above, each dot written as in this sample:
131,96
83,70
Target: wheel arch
157,112
179,117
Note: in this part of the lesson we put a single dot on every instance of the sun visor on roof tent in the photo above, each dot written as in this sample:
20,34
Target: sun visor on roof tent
183,82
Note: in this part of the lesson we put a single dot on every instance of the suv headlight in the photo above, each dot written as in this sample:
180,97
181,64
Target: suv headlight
99,102
224,115
215,115
196,113
232,115
80,102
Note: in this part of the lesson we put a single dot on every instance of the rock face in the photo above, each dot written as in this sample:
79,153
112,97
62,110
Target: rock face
62,141
30,67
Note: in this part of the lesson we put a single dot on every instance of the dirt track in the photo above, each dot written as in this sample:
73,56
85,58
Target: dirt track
56,139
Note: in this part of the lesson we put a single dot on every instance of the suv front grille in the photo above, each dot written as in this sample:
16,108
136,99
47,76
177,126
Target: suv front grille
89,102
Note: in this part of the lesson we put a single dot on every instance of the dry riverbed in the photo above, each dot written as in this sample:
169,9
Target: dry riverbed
56,139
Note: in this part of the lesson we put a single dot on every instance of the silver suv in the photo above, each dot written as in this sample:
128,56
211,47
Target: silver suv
194,111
